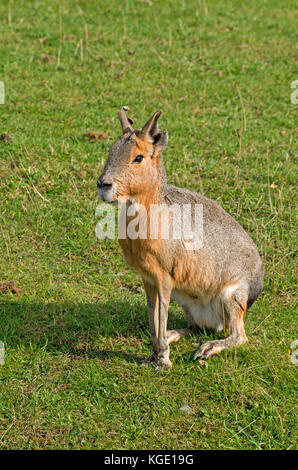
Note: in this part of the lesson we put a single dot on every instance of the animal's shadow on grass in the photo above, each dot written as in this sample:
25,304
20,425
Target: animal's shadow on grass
96,330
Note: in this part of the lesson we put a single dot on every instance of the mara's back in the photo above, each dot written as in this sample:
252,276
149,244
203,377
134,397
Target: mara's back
227,255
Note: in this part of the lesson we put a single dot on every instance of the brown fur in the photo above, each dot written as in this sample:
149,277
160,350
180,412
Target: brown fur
214,284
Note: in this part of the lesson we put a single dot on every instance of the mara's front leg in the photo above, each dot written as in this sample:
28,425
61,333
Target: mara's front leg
158,299
164,295
153,313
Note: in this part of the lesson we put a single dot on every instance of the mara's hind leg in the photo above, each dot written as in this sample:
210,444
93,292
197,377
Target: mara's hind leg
175,335
234,310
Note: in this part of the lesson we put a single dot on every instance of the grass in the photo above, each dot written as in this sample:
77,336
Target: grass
222,73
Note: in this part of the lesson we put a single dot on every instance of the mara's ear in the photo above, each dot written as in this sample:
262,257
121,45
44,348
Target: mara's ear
161,141
150,129
125,121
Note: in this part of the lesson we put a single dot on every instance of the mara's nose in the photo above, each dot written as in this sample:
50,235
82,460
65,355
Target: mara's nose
104,184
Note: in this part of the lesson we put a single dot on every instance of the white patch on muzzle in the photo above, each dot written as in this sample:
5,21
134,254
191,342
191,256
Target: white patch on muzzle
107,194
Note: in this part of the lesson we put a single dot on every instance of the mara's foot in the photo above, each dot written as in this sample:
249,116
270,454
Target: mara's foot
151,359
159,361
208,349
164,362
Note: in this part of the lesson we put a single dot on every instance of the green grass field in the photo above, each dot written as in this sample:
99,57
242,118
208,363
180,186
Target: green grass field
75,334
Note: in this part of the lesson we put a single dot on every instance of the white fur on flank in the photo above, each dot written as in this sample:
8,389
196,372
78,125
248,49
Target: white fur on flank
206,311
229,290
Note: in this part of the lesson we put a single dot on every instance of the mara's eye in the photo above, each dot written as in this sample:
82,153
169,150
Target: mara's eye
138,159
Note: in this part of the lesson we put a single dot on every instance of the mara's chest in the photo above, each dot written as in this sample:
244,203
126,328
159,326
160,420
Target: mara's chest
154,259
145,255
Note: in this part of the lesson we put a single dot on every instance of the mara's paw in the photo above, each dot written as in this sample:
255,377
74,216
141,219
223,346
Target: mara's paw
207,350
164,362
151,359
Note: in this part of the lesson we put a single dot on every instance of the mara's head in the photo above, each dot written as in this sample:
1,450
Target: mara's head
134,165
